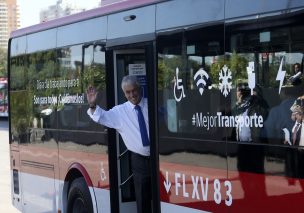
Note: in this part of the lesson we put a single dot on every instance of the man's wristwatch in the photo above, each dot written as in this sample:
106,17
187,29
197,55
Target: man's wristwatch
93,106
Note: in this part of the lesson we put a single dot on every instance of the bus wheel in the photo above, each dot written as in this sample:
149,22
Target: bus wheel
79,198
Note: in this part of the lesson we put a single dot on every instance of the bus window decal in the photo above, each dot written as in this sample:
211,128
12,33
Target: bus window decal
281,75
251,76
178,86
225,85
208,121
103,176
167,183
200,77
198,187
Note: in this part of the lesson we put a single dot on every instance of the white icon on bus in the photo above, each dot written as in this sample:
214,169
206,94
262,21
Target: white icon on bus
178,86
251,76
200,77
281,74
102,172
225,77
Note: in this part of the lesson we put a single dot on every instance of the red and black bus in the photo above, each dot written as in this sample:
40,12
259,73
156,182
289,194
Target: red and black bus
225,106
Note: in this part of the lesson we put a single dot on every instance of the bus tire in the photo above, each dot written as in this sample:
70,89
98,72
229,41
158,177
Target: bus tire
79,197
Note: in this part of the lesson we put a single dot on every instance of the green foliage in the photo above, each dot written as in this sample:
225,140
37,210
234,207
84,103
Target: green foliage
165,75
238,64
3,62
95,76
167,65
22,118
215,68
166,70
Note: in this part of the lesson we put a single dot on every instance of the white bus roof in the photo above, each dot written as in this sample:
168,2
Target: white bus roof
100,11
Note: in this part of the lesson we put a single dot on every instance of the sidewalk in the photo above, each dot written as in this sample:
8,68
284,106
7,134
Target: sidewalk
5,180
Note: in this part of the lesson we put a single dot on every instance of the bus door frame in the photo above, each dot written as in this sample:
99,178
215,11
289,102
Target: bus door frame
149,50
129,206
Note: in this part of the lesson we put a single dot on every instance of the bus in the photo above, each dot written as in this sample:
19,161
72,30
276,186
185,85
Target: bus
3,97
225,107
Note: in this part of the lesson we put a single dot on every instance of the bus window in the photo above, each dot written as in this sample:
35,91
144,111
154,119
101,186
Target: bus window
70,96
189,95
19,92
73,112
266,106
191,98
265,84
188,82
80,66
42,110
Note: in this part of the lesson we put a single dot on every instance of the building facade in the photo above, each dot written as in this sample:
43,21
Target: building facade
9,20
60,9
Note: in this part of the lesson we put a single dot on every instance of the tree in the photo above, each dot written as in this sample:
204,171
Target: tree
3,62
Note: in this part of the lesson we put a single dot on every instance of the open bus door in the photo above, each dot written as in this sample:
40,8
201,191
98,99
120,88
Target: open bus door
127,62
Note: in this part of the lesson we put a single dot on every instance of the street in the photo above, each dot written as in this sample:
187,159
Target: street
5,182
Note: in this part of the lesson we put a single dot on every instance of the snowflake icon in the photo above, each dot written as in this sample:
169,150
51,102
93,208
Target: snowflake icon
225,85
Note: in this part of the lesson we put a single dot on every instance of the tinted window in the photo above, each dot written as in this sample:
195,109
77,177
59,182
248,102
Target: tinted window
262,57
19,98
190,97
79,67
42,69
190,101
262,53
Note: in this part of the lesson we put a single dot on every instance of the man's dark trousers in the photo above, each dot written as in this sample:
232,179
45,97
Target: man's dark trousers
142,182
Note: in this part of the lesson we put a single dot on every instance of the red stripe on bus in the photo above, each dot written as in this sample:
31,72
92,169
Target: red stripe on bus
83,171
251,192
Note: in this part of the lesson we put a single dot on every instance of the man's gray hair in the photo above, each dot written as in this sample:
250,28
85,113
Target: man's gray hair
130,80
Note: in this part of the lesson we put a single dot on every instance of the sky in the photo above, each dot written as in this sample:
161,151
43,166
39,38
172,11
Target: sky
30,9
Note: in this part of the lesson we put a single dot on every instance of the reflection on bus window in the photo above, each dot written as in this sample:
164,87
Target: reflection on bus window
19,113
3,97
188,82
269,58
72,114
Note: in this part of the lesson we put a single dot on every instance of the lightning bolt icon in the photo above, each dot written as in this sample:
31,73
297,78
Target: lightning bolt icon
281,75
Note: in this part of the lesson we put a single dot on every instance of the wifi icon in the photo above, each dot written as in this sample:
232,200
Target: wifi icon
201,77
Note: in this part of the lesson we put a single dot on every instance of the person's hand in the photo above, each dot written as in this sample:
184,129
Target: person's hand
91,96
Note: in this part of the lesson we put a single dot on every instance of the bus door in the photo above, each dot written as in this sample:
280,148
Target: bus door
126,62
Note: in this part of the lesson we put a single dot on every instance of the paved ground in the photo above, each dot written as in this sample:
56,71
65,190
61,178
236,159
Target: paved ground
5,181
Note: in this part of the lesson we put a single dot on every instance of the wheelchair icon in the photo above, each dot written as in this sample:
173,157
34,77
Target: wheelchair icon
178,86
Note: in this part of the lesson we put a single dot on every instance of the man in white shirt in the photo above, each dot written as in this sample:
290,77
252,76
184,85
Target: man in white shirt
130,119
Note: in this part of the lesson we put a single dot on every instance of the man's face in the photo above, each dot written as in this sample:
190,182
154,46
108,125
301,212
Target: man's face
238,95
132,93
297,68
293,116
299,117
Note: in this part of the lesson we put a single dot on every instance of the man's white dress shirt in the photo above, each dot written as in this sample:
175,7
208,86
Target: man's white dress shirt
123,118
301,142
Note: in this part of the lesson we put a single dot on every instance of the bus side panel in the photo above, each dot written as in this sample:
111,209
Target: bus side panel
93,166
260,175
192,138
15,176
265,160
83,144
